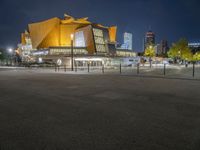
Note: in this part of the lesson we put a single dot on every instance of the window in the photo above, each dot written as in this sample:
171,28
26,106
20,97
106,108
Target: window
79,39
99,40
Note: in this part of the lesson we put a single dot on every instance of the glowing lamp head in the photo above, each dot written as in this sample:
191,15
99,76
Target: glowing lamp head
10,50
72,36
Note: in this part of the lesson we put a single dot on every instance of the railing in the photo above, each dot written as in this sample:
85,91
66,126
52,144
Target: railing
192,71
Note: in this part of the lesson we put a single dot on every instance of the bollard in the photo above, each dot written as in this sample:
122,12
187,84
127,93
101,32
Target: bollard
164,69
138,68
88,67
75,67
55,68
120,68
103,69
150,64
193,73
65,68
150,60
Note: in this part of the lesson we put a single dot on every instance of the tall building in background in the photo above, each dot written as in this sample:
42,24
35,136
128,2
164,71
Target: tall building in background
149,39
128,41
157,49
163,48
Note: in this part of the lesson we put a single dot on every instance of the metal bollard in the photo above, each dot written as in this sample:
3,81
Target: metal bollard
164,69
150,62
88,67
65,68
193,73
120,68
55,68
103,69
75,67
138,68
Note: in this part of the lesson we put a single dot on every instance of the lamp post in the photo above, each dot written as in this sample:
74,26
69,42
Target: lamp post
0,58
10,51
72,52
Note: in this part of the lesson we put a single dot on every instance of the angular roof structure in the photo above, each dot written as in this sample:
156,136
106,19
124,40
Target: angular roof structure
56,31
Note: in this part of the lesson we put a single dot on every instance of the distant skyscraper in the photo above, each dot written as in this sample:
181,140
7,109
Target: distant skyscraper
149,39
157,49
128,41
163,47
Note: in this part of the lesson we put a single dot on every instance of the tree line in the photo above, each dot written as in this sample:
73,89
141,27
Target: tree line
178,51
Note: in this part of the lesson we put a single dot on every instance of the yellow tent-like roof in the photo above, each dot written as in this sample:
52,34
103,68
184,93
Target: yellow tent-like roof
56,32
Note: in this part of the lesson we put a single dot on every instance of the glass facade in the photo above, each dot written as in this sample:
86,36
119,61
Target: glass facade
128,41
67,51
99,40
79,39
125,53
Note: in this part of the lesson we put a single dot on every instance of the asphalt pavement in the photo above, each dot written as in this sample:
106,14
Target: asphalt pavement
49,111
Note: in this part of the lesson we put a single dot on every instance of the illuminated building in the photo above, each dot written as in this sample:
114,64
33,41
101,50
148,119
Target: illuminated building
194,46
26,45
149,39
51,39
163,48
128,41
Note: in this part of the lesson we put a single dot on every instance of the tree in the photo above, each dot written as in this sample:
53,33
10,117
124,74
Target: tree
150,51
2,54
180,50
196,56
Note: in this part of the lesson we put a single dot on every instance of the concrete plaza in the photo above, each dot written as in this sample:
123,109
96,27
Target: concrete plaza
49,111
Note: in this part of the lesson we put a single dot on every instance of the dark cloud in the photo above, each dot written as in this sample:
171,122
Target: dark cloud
169,19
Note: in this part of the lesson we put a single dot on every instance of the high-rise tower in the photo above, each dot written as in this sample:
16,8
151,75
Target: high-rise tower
149,39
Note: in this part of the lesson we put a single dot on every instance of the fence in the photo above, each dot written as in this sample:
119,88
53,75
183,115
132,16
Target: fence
165,70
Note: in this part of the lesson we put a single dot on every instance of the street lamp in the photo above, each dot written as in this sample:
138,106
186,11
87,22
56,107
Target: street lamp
10,51
72,52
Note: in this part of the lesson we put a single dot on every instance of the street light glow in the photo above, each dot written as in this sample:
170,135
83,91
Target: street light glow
72,36
10,50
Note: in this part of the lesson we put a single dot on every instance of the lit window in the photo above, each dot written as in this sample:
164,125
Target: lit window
99,40
79,39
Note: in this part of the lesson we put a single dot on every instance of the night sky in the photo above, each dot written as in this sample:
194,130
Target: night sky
169,19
